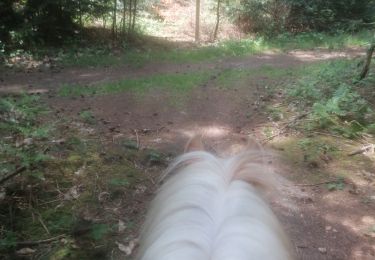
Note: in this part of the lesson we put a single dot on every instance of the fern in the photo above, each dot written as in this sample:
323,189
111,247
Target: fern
334,99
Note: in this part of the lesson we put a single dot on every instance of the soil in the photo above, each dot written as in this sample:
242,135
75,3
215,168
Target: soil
321,224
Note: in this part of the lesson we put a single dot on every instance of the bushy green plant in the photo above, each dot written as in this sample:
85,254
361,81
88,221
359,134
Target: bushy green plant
339,184
333,98
8,240
277,16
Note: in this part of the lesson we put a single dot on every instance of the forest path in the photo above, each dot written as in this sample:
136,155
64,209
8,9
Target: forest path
45,79
321,224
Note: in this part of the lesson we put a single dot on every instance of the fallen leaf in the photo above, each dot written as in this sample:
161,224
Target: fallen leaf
121,226
72,193
140,189
26,251
80,170
322,250
103,196
127,249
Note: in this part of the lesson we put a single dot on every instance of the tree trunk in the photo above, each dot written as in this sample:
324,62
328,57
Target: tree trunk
80,14
197,20
134,14
130,16
217,19
114,20
366,68
123,17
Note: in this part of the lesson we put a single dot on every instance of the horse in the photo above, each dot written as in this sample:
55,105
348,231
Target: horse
212,208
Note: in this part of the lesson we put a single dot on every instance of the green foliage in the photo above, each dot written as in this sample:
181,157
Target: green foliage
59,220
330,15
9,21
87,117
35,22
98,231
87,57
275,114
333,97
277,16
118,182
313,149
101,56
309,40
8,240
154,157
339,184
266,16
22,133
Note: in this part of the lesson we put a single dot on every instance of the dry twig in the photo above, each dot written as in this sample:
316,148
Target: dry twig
136,134
367,148
44,241
42,223
316,184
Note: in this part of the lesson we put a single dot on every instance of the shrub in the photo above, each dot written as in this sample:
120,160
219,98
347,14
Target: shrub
334,99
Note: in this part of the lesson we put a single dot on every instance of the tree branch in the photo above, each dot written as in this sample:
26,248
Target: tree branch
44,241
9,176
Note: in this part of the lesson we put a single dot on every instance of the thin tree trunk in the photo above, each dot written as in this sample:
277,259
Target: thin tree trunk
80,14
197,19
366,68
123,17
114,20
134,14
130,16
217,19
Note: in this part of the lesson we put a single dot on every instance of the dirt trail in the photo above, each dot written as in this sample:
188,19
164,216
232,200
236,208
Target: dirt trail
47,79
322,225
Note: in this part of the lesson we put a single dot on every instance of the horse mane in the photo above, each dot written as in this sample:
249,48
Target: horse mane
209,208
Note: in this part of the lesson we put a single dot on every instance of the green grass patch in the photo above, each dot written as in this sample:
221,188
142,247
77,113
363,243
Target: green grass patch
312,40
22,134
92,57
309,157
176,83
99,57
87,117
319,158
146,50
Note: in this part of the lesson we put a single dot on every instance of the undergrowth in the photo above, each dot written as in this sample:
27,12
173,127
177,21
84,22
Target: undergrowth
23,135
72,185
146,51
335,100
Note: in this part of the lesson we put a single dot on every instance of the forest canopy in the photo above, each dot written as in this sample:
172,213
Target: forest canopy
27,23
